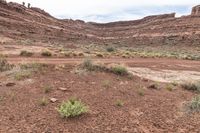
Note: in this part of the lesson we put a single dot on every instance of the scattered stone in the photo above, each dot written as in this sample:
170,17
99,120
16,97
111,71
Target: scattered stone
63,89
9,84
53,100
93,83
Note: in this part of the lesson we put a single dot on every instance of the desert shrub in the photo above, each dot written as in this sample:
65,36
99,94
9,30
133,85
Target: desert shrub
141,92
194,105
119,103
47,89
192,86
169,87
4,65
100,55
67,54
88,65
43,101
26,53
46,53
110,49
33,66
106,83
74,54
72,108
119,70
80,54
21,75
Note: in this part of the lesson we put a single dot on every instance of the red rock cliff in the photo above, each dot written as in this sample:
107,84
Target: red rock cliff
196,10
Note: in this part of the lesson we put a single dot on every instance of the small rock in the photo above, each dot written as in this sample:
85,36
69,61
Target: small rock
10,84
93,83
63,89
53,100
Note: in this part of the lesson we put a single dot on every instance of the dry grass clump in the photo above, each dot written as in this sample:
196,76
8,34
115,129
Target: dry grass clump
43,101
192,86
110,49
46,53
4,65
21,75
116,69
27,70
26,53
119,70
194,104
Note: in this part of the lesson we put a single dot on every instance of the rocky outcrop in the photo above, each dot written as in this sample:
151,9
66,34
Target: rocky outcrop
40,11
17,21
196,11
137,22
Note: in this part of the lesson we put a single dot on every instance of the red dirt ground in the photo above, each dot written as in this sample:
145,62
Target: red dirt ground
157,111
144,111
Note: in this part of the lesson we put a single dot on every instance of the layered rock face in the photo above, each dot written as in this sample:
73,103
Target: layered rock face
196,10
19,22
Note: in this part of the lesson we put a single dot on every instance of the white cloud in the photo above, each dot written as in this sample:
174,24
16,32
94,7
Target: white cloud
90,10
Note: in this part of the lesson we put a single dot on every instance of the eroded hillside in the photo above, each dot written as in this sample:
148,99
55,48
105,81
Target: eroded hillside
19,21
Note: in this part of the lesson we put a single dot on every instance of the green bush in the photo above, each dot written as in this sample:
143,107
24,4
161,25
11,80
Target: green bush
120,70
192,86
26,53
88,65
194,105
46,53
110,49
72,108
119,103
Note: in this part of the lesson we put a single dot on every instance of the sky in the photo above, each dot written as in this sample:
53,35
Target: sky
111,10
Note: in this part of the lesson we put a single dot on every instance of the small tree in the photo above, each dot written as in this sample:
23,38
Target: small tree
29,5
23,3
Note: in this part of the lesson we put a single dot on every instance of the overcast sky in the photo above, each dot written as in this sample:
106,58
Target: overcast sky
111,10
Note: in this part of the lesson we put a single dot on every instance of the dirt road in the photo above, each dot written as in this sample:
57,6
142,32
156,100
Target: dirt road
174,64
